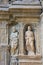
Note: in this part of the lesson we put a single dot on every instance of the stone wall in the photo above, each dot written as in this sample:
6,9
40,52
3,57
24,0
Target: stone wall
21,15
3,33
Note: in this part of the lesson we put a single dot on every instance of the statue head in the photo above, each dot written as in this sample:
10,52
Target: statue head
13,29
29,27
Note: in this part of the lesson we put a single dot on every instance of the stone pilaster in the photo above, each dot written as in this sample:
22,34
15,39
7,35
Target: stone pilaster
3,33
37,38
4,53
41,35
21,41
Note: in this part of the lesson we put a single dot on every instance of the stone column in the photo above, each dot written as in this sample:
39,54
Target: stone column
37,38
4,55
21,44
3,33
4,42
41,35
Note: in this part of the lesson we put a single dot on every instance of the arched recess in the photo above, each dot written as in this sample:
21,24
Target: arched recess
33,30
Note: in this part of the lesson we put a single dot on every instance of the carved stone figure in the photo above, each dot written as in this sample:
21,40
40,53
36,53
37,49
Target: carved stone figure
29,37
14,42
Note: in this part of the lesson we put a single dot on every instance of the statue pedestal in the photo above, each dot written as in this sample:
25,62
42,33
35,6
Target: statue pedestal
35,57
29,60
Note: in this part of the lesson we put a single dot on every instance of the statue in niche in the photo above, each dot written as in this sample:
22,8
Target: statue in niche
14,41
29,37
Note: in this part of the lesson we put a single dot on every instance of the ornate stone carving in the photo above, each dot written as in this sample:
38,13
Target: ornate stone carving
29,37
32,1
26,2
14,41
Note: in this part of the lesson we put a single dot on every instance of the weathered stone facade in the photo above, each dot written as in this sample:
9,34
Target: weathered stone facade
21,14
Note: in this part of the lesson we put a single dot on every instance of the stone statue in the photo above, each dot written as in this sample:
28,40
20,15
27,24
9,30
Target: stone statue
14,42
29,37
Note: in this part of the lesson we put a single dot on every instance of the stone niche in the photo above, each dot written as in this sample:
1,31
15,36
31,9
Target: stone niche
17,41
21,28
25,50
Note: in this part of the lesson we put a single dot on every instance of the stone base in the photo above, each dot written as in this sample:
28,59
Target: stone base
30,60
30,63
35,57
